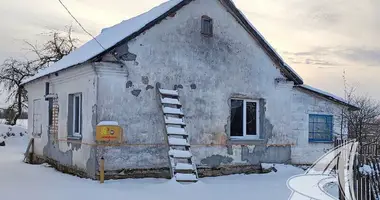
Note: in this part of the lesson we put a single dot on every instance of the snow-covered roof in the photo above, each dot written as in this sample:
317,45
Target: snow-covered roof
110,37
327,95
107,38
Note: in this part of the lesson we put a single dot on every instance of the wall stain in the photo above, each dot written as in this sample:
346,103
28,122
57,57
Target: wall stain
129,84
148,87
136,92
158,85
178,87
216,160
145,80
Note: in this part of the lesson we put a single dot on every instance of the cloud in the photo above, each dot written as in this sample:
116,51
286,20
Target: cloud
321,35
336,56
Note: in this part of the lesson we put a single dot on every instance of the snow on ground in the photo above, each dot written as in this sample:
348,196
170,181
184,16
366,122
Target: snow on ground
20,122
7,132
41,182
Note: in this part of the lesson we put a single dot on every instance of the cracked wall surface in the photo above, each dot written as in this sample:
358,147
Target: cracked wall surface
305,103
75,153
207,71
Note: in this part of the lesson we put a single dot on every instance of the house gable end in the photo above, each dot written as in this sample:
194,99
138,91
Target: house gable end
285,70
243,21
175,6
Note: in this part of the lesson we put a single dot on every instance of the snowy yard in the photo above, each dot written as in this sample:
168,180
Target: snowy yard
40,182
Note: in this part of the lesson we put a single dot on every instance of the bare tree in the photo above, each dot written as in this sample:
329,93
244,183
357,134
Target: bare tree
60,45
13,71
364,124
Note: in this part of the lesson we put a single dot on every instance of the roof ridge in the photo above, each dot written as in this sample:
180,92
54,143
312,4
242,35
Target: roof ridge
127,29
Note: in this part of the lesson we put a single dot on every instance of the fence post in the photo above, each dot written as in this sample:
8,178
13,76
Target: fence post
101,170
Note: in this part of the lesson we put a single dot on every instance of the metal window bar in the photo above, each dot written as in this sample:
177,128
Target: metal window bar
320,128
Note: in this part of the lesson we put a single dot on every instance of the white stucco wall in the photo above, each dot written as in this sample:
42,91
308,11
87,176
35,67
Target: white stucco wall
229,64
173,52
303,104
36,91
75,80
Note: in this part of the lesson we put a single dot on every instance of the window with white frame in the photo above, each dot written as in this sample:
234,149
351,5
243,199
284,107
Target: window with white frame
244,119
75,115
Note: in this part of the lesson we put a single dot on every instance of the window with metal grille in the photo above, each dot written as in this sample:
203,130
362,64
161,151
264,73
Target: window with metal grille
320,128
207,26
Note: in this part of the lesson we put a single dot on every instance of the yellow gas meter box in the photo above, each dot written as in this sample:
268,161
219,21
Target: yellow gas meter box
108,131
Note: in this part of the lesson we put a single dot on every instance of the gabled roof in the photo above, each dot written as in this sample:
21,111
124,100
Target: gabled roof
328,96
128,29
109,38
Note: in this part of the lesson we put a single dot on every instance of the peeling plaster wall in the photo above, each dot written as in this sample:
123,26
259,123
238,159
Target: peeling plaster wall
36,91
134,107
303,104
69,152
207,72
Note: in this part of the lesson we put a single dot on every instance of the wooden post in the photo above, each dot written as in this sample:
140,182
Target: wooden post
28,156
32,152
101,170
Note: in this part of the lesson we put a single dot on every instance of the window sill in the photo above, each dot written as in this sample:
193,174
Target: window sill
74,138
245,141
316,141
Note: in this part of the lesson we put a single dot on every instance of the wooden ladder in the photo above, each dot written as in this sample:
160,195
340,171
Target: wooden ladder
182,166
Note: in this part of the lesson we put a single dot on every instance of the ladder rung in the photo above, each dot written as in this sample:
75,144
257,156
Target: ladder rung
184,166
180,154
174,121
178,142
170,101
169,92
174,111
180,177
176,131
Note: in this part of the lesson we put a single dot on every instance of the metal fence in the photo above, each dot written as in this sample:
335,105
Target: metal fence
366,171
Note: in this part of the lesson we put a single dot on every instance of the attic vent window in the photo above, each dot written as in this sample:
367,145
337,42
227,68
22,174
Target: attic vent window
207,26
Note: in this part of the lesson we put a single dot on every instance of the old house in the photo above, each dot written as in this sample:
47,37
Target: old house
197,90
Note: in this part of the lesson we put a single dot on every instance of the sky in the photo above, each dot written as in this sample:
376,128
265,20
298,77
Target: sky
321,40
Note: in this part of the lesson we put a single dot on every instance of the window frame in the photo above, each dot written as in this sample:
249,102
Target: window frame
37,118
74,117
329,118
245,136
206,19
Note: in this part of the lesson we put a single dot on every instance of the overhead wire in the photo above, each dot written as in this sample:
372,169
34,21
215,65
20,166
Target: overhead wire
68,11
84,29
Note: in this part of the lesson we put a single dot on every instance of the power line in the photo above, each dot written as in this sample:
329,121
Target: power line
68,11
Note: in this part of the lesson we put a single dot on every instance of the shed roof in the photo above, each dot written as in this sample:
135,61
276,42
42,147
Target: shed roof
328,96
128,29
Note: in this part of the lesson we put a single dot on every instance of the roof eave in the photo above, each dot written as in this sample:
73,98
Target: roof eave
350,106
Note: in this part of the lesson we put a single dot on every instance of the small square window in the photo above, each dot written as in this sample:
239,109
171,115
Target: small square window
320,128
207,26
